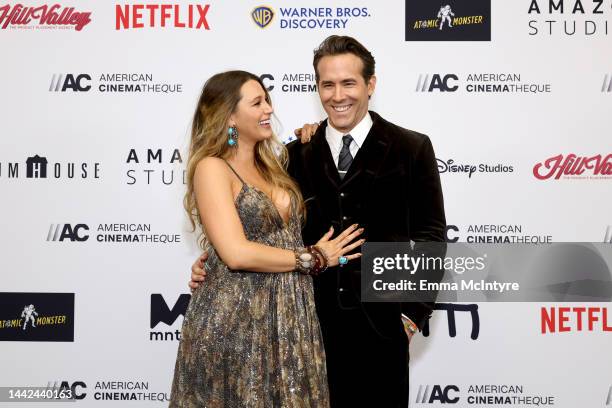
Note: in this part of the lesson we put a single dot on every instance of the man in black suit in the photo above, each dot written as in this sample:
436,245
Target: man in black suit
360,168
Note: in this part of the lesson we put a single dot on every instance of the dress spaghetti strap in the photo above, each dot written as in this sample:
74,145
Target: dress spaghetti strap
237,175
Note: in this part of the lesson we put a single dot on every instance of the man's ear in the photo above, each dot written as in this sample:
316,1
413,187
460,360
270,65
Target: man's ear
371,85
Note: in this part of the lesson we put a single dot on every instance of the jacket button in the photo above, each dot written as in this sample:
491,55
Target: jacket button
342,195
344,218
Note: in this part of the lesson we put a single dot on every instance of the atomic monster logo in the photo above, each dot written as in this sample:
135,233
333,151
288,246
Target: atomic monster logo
29,313
444,15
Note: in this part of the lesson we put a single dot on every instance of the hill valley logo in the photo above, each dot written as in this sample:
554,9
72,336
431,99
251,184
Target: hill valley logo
45,17
572,166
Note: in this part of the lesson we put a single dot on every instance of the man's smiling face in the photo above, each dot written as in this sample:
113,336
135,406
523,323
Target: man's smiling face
343,90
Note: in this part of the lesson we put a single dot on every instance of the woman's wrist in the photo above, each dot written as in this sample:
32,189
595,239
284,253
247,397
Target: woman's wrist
310,260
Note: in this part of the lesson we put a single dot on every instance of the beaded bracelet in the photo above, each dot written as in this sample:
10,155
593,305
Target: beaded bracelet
310,260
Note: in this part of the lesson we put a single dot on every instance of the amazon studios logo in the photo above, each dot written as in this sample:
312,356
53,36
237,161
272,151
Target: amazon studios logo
584,19
454,20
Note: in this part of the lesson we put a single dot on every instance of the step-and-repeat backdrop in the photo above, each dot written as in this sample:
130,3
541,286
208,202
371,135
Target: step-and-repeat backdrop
96,99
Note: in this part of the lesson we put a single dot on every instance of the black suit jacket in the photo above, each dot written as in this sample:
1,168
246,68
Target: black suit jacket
392,189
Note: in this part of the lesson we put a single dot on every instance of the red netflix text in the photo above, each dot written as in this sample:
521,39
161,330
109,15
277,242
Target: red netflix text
566,319
161,15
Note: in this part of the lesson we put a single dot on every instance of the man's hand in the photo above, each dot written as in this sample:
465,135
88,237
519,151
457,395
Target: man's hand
306,132
409,327
197,272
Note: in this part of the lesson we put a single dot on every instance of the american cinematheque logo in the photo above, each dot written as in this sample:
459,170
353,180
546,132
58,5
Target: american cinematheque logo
36,316
481,395
43,17
112,83
452,20
573,166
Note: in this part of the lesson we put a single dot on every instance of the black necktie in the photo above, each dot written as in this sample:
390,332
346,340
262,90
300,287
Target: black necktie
345,159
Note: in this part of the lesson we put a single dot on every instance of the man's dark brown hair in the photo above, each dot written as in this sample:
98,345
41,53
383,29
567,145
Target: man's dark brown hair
340,44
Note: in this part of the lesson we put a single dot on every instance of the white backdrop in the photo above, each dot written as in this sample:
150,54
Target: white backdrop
113,281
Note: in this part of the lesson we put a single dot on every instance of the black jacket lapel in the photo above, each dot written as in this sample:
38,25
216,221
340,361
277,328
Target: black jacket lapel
372,153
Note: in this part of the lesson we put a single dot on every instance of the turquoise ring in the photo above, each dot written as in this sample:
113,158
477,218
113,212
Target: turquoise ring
342,260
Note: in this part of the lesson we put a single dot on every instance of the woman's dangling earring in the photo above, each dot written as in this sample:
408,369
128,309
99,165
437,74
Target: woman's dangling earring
232,133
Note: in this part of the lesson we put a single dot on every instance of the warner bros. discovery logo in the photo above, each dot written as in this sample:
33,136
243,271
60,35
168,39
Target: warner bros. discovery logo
262,16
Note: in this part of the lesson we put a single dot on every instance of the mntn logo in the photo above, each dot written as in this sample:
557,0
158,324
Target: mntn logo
161,313
262,16
437,394
65,232
437,83
76,83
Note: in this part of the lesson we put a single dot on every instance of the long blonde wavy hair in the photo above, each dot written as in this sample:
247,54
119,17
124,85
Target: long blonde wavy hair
219,99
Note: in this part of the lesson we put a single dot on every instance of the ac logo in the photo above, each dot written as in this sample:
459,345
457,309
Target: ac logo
269,86
262,16
449,238
437,83
78,83
66,232
607,83
65,386
437,394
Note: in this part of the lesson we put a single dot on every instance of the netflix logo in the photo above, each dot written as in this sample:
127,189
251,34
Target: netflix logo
576,319
161,15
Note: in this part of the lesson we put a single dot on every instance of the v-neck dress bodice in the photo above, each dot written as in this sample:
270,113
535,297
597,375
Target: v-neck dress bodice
252,339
